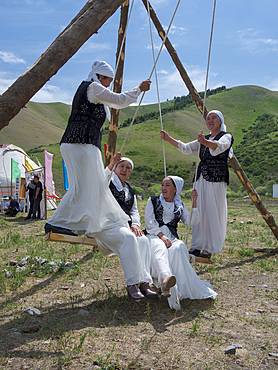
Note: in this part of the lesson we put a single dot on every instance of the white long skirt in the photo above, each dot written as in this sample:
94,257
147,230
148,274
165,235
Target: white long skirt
210,233
88,206
175,261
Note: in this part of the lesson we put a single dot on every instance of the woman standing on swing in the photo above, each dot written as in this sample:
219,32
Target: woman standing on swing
212,179
88,207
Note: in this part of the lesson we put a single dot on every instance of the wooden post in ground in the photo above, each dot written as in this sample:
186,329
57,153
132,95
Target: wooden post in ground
93,15
199,103
118,81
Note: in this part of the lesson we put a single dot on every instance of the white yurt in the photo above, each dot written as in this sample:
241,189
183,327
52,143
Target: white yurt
9,154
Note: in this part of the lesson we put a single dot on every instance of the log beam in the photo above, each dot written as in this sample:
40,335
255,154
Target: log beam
118,82
92,17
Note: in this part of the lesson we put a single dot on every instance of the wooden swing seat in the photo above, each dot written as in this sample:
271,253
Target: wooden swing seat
63,238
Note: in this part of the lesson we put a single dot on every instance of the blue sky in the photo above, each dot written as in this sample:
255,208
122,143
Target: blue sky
244,48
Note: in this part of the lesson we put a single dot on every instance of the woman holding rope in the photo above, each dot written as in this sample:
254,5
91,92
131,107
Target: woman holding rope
89,207
212,179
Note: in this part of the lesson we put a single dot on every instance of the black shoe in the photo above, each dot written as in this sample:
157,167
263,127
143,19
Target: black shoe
147,291
196,252
57,230
205,255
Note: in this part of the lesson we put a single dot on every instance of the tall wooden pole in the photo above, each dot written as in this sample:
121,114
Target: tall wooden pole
199,103
118,81
93,15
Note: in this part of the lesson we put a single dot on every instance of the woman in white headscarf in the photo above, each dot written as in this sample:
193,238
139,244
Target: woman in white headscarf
170,258
212,179
125,196
88,207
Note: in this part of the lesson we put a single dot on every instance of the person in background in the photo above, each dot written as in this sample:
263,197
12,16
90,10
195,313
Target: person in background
31,188
89,207
209,234
125,196
37,198
13,207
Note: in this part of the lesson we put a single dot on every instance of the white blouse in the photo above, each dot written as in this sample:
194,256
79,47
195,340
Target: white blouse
152,225
99,94
134,213
223,144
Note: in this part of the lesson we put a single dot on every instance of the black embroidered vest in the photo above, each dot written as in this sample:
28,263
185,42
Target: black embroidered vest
158,213
214,168
126,205
85,121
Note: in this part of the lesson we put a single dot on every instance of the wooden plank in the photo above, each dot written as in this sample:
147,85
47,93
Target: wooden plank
203,260
53,237
267,250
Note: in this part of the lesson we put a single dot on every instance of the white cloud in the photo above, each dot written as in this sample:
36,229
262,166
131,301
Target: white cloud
5,83
9,57
176,30
52,94
253,44
92,46
273,85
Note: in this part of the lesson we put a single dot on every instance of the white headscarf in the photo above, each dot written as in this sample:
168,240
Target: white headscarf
100,68
178,181
128,160
223,127
104,69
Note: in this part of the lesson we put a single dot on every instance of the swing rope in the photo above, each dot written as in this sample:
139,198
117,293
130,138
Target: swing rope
142,97
157,88
203,115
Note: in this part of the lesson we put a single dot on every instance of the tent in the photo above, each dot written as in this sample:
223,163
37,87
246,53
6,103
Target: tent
12,155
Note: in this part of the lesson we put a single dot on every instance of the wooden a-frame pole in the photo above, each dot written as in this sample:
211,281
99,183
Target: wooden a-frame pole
82,27
118,81
199,103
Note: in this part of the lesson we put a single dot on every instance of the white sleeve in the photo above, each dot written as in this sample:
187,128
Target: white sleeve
98,94
134,213
152,225
189,148
223,144
194,217
107,172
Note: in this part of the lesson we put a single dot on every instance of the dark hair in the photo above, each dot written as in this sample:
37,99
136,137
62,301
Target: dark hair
36,177
173,182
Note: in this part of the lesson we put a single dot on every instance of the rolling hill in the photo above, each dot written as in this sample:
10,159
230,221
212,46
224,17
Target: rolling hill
248,111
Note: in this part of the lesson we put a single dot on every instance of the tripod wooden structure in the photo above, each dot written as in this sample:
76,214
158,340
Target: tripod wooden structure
80,29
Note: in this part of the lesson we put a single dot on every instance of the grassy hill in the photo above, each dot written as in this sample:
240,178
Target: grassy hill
247,109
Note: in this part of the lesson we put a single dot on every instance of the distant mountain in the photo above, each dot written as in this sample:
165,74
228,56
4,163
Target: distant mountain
250,112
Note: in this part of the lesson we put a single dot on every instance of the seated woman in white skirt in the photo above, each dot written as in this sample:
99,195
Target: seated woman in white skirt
125,196
170,257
